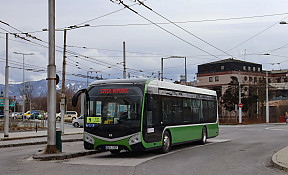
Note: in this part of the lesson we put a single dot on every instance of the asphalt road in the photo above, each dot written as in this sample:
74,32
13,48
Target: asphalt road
245,149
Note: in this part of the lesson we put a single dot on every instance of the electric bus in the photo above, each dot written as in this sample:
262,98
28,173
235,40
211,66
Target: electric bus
146,114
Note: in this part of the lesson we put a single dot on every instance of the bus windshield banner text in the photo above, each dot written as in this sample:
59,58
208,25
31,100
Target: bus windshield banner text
114,91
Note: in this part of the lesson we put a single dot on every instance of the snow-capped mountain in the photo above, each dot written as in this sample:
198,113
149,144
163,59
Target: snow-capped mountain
39,88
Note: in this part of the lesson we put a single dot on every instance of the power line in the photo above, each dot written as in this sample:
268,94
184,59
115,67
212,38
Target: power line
111,50
187,42
190,21
183,28
256,34
110,13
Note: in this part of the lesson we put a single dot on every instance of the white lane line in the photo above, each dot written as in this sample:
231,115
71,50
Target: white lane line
278,128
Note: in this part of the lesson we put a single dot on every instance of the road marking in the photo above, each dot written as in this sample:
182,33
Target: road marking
130,159
278,128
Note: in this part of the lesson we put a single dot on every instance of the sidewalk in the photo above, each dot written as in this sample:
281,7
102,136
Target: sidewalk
34,134
280,159
72,143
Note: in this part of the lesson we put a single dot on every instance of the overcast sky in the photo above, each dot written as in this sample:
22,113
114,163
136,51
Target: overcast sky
207,31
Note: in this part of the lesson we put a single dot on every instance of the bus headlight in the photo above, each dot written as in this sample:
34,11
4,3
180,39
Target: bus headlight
89,138
136,138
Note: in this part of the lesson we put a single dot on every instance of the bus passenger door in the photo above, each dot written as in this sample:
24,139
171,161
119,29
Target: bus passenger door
153,119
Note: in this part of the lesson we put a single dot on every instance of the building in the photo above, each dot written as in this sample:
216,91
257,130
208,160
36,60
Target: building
217,76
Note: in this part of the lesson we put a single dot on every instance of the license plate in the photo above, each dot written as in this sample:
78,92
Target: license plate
111,147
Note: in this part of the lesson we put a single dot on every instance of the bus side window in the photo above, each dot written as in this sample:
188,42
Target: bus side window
166,111
187,111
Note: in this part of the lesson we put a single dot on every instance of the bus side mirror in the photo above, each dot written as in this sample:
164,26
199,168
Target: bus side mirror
149,102
76,95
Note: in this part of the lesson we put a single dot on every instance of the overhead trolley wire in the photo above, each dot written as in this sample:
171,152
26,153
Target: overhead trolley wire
187,42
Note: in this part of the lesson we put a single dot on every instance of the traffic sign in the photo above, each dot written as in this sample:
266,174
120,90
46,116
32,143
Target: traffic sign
240,105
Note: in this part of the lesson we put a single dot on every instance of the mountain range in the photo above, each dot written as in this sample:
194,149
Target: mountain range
39,88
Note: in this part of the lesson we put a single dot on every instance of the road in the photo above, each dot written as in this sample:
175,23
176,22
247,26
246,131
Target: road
241,149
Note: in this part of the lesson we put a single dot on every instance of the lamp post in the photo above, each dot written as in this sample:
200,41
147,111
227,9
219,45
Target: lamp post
162,66
23,89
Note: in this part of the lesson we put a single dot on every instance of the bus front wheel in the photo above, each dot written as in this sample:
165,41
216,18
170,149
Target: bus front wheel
204,136
166,143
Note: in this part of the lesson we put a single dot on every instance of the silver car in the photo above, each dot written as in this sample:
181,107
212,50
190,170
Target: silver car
78,122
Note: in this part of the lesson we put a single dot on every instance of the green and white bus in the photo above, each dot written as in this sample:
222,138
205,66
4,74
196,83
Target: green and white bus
146,114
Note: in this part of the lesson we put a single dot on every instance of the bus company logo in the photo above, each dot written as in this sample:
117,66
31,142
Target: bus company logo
115,91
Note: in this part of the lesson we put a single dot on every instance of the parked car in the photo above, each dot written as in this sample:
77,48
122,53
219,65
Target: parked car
58,116
71,115
28,115
78,122
38,114
20,115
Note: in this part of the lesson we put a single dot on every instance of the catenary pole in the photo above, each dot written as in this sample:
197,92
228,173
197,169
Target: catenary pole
6,102
267,99
51,100
63,84
124,61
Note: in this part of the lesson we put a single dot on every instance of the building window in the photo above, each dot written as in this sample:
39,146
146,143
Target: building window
217,78
254,69
259,69
249,68
255,79
244,67
245,78
210,79
250,79
222,67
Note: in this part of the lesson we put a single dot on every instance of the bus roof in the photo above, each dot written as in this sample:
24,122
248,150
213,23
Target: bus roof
156,83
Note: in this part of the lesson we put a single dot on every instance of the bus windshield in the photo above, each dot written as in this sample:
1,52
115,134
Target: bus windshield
116,105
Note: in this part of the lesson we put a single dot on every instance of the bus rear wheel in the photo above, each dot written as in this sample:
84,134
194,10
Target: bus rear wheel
166,143
204,136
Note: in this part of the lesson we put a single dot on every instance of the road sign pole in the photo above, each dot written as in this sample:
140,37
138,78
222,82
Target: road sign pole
240,108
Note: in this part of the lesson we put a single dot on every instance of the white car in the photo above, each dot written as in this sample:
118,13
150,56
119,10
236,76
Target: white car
78,122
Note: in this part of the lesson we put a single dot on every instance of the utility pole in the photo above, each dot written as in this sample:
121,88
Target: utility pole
267,99
185,72
6,102
51,100
63,85
124,61
162,69
240,108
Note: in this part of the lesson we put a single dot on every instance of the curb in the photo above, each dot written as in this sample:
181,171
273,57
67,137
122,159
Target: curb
37,143
61,156
29,137
277,164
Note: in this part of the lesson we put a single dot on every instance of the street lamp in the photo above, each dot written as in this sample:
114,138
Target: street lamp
23,90
162,65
